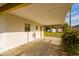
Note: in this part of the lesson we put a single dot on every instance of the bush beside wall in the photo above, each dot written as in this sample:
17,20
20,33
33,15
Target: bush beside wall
70,43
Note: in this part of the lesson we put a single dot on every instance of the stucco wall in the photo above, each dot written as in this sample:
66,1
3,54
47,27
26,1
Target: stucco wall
14,31
2,29
16,24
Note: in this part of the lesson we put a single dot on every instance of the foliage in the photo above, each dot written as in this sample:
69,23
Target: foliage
46,28
76,32
70,43
66,27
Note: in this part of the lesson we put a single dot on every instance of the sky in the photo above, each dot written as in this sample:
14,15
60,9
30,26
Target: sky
74,15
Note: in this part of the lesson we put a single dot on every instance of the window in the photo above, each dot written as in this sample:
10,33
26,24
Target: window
36,27
40,28
27,27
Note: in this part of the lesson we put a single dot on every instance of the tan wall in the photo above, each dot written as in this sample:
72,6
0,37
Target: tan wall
2,29
16,24
2,24
13,34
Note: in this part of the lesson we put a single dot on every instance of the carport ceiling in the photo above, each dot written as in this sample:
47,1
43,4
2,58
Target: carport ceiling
44,13
2,4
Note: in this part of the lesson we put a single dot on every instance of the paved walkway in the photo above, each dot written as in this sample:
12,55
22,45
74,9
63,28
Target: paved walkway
49,46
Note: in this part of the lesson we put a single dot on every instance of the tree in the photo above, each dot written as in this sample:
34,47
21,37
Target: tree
66,28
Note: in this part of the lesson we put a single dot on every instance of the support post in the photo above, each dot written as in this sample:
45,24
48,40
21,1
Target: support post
70,20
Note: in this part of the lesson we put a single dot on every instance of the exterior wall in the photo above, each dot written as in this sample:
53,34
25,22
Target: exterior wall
53,30
2,29
14,33
57,30
60,30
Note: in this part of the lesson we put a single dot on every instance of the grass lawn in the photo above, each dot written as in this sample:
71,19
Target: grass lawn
53,34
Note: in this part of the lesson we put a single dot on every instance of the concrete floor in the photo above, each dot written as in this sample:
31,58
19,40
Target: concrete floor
49,46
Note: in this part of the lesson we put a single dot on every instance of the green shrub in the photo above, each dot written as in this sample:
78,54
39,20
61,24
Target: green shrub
77,32
70,43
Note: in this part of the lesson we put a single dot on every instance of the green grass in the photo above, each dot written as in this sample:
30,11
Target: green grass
52,34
